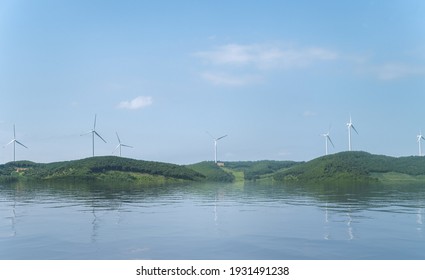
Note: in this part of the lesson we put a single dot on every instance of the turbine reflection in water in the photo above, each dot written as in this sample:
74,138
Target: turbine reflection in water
211,221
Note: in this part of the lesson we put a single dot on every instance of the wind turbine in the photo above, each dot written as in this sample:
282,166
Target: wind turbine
120,144
215,145
350,126
420,137
327,139
14,141
93,133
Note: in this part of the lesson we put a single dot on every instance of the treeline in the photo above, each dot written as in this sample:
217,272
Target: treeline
357,167
128,170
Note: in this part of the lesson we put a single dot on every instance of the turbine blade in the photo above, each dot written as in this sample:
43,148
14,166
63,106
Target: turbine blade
210,135
124,145
116,148
354,129
98,135
21,144
119,140
94,125
86,133
422,137
221,137
330,140
10,142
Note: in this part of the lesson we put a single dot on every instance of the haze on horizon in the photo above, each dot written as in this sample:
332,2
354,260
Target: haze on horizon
274,76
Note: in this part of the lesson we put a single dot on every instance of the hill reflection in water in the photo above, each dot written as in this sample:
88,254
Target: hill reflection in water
211,221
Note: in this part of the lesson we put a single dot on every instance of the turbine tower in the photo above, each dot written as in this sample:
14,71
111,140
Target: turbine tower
327,139
215,145
120,144
420,137
14,141
350,126
93,133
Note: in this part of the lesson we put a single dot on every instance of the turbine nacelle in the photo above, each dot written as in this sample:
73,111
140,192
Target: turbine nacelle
419,138
15,141
93,132
327,139
215,144
350,126
120,144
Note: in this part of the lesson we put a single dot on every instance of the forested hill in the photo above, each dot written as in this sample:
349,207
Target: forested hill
107,168
344,167
356,167
125,170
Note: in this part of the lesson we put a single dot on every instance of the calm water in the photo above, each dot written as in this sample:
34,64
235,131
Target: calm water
211,221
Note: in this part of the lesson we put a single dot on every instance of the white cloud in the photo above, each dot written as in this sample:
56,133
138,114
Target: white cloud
237,59
137,103
266,56
308,114
228,54
392,71
247,64
221,79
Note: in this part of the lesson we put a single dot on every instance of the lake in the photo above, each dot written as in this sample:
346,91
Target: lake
211,221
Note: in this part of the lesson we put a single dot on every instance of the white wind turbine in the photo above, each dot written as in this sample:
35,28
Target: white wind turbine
215,145
350,126
93,133
14,141
420,138
327,139
120,144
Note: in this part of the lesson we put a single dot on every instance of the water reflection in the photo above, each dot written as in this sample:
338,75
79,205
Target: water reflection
257,220
327,234
215,211
95,225
12,219
349,226
419,219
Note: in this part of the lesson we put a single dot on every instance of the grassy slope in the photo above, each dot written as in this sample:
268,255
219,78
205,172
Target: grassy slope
356,167
240,170
257,170
212,172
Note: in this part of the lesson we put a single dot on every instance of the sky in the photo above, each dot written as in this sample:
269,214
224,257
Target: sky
272,75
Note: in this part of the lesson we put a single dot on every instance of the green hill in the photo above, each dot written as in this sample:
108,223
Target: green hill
104,169
356,167
125,170
340,168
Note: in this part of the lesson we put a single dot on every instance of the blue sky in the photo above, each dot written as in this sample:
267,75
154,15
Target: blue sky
273,75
